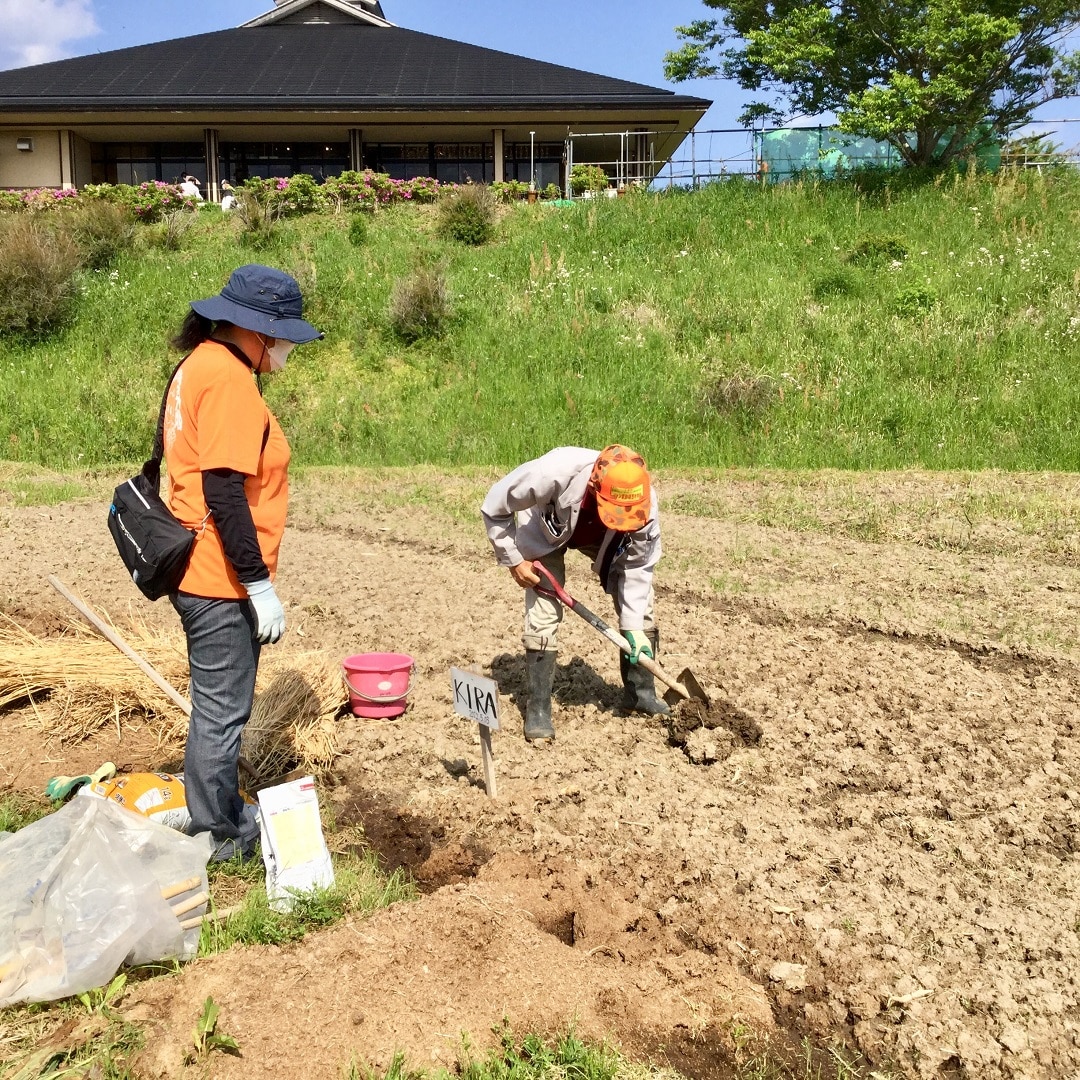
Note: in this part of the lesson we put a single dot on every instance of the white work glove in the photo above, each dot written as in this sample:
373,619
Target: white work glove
269,614
639,645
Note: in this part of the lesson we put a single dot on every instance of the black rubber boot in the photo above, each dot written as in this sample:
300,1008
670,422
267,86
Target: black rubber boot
540,669
639,691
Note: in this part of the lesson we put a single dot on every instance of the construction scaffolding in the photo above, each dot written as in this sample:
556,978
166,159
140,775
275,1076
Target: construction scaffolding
772,154
630,157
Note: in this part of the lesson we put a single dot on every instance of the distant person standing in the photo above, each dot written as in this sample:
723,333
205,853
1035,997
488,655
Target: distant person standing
189,186
603,505
228,196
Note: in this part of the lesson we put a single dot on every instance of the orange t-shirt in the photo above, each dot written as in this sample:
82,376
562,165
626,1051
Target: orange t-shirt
216,419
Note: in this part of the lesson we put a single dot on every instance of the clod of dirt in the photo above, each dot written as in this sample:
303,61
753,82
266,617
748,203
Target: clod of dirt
710,731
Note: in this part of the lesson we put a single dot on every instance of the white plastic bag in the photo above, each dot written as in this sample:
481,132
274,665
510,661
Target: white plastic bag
80,895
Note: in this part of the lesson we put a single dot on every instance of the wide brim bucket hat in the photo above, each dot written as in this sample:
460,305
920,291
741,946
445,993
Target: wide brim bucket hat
261,299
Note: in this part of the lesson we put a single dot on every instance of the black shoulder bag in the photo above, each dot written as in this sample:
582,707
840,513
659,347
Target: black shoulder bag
155,547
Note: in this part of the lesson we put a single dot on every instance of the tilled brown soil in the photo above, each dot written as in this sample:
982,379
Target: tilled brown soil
869,835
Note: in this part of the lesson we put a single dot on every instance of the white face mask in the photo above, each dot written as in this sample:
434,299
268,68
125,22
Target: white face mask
278,352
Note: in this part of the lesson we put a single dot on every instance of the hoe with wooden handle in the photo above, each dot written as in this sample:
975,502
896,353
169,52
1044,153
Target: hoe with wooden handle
686,686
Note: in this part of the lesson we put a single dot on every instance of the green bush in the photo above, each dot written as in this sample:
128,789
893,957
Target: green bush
467,214
588,178
148,202
358,230
169,233
873,249
834,283
286,196
419,305
506,191
37,277
914,300
101,231
301,194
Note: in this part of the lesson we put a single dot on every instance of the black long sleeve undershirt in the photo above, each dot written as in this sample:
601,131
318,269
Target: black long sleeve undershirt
223,490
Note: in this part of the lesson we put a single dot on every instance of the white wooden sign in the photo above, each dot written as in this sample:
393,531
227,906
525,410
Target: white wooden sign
476,698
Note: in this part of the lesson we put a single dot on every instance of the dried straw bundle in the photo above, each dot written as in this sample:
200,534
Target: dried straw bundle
88,683
293,721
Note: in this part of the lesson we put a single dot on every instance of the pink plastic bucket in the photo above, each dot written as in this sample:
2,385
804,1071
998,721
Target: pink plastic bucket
378,683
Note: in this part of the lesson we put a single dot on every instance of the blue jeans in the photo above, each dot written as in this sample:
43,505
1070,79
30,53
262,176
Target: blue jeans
223,656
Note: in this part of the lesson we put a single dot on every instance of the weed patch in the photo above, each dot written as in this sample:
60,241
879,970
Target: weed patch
468,215
18,811
873,249
37,277
360,888
420,305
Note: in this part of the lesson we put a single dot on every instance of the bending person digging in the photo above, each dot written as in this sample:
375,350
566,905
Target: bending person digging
603,505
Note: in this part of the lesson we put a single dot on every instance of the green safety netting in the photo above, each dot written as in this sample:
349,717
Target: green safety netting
786,152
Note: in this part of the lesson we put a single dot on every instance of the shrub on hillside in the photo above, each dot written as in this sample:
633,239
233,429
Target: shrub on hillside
101,231
467,214
369,190
288,196
745,394
419,304
507,191
358,230
258,211
873,249
37,277
169,233
914,300
148,202
588,178
834,283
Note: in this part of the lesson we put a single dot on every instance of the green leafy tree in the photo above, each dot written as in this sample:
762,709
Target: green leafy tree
936,79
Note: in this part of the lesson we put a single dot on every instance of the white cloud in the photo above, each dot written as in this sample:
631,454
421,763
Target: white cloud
37,31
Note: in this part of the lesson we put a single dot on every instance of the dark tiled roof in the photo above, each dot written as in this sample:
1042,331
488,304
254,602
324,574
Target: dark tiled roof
312,66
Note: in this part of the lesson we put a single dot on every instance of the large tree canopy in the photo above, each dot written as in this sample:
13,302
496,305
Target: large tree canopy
934,79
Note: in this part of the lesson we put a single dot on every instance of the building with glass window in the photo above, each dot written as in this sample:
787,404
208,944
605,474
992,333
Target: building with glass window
319,87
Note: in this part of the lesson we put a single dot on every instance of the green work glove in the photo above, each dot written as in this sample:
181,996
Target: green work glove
639,644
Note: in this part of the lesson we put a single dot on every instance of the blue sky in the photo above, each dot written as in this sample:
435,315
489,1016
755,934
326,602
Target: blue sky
624,38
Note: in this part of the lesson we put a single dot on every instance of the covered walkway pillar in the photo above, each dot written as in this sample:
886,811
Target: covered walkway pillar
213,164
356,149
498,137
68,178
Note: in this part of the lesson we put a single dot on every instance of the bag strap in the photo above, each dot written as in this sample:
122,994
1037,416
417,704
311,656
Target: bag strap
152,466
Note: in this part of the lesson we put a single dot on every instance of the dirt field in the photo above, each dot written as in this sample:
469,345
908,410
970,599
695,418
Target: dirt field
887,855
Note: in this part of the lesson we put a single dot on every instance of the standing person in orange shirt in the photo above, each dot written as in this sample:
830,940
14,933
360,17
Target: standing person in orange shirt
227,460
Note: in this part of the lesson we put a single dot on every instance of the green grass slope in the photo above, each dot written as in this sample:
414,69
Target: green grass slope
798,326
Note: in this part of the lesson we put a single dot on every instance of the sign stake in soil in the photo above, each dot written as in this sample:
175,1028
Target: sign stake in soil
477,699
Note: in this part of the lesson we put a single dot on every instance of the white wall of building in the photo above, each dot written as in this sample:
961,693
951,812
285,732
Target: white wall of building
39,167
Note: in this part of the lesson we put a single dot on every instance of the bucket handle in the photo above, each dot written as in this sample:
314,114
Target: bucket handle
378,700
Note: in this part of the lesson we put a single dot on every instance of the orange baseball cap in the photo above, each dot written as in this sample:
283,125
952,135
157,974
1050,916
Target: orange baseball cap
621,485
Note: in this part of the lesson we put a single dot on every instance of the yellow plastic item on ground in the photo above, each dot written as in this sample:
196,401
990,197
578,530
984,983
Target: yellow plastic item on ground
158,796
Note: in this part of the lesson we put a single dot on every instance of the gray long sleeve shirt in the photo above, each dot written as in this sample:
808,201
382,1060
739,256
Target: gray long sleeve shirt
534,510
